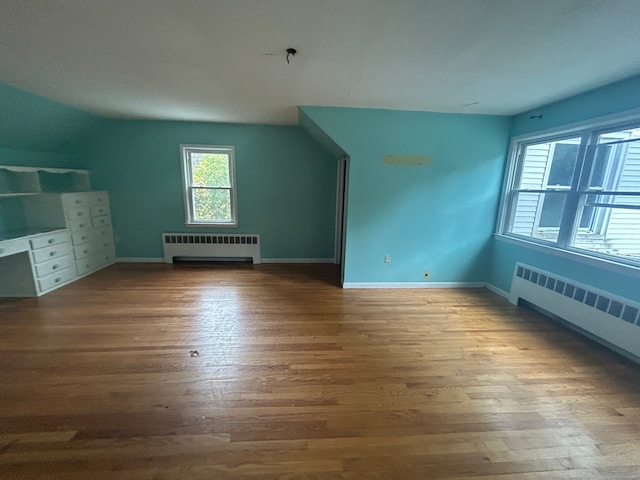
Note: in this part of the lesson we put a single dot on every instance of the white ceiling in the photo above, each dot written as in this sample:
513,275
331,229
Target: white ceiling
224,60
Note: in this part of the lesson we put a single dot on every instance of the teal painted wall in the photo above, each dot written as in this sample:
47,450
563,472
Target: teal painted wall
318,134
438,218
35,131
285,183
612,99
609,100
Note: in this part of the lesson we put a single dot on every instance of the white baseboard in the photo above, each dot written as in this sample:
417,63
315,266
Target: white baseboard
497,291
264,260
413,285
297,260
139,260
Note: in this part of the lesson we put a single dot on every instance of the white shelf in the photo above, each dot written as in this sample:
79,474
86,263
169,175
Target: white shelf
15,180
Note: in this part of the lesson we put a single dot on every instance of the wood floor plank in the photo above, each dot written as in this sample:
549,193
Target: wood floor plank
201,371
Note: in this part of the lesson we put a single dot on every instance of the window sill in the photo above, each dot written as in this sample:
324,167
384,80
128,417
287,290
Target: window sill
211,225
604,264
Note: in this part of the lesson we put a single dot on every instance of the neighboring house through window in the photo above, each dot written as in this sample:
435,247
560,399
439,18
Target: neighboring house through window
208,173
578,190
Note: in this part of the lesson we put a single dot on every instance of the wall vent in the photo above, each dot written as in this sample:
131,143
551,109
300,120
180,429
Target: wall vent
210,246
608,316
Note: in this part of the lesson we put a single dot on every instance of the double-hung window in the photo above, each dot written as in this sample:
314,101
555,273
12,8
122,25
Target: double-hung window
578,191
208,174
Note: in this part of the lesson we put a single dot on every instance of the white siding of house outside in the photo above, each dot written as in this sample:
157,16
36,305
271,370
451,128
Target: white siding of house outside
533,176
623,231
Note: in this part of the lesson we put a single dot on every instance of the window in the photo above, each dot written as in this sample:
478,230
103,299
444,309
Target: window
579,191
208,174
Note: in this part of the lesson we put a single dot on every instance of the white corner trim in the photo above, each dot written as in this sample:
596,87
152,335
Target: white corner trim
497,291
413,285
139,260
297,260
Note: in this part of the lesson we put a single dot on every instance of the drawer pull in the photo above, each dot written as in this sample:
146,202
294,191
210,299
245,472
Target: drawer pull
79,214
52,254
57,280
77,202
81,225
54,267
50,241
85,251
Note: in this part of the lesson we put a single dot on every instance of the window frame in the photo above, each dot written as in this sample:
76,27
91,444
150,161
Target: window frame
589,133
188,187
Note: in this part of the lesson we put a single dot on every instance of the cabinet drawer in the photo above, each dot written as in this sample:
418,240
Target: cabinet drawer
101,221
53,266
98,198
75,199
49,239
48,253
79,225
94,262
93,248
99,210
100,233
104,244
85,250
83,236
55,279
10,247
77,213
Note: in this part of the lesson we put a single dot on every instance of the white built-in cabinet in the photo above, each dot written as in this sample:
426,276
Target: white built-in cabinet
53,229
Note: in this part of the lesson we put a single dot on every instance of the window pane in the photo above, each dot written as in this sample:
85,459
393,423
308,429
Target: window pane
210,170
563,164
616,231
552,207
617,167
212,205
549,164
537,214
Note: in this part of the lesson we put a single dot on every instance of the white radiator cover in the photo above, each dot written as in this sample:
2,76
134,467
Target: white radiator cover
210,246
610,317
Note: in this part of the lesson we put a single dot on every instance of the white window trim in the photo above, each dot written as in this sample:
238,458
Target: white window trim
579,257
550,134
187,183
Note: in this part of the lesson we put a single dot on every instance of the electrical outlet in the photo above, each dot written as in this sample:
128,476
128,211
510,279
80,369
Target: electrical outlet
387,259
426,275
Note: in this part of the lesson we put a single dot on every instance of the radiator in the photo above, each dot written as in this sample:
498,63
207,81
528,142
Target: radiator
210,246
600,313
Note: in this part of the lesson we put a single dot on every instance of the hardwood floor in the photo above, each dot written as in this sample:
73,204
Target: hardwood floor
272,372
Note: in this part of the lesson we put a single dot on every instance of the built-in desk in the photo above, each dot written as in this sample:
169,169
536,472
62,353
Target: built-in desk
32,264
53,229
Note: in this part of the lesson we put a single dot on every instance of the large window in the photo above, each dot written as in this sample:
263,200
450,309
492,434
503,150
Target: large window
209,184
578,191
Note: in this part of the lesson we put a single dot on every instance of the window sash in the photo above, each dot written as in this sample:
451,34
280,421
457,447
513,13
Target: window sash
193,211
587,209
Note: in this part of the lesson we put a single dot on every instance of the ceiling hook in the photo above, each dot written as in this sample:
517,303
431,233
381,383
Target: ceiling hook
291,52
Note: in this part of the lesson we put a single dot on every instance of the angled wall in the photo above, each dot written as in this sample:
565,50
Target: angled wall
438,217
36,131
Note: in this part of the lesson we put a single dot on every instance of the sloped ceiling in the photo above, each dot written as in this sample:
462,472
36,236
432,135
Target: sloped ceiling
224,60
